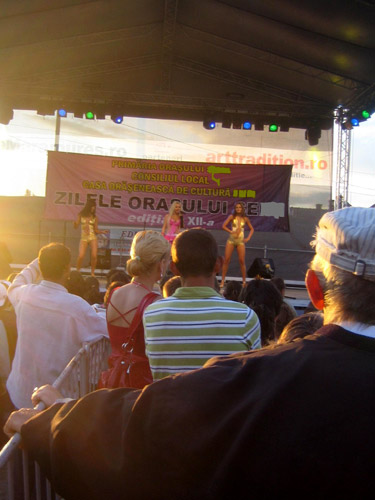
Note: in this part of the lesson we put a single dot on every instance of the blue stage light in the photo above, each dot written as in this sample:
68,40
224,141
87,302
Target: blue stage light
62,112
354,122
118,119
209,124
247,125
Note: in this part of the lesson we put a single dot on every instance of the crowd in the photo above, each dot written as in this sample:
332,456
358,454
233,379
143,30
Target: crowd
217,396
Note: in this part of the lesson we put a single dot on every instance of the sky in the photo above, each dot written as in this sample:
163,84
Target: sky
362,172
25,141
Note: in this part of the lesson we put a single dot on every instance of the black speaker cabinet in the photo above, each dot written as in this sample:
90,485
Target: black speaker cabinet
104,258
261,267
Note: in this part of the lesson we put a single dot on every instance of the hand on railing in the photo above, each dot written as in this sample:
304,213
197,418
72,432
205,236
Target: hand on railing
46,394
17,419
42,398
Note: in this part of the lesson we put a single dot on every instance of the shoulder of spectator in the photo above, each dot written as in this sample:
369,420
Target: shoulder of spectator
90,324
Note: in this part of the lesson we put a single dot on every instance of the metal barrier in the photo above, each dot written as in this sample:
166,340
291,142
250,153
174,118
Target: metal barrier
80,376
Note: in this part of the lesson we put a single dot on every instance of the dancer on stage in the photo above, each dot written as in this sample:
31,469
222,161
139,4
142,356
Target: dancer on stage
236,240
89,229
173,222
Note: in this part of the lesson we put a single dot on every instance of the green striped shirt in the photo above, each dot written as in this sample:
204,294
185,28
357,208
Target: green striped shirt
193,325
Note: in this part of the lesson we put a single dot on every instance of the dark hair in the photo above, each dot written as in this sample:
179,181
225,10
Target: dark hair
194,253
53,260
92,283
279,284
285,315
168,275
232,290
76,283
265,299
117,275
171,285
86,210
93,296
110,288
92,290
243,213
300,327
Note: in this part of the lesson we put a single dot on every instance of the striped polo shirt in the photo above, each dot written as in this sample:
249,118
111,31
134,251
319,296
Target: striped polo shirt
196,323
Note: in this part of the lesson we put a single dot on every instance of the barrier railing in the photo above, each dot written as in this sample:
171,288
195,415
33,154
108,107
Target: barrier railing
80,376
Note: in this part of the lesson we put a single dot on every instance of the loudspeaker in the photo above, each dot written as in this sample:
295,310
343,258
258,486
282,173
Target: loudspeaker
104,258
261,267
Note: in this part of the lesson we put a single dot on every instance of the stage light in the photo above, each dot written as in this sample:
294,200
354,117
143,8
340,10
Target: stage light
227,121
365,114
273,127
237,124
62,112
246,125
117,119
354,122
313,135
89,115
284,128
209,124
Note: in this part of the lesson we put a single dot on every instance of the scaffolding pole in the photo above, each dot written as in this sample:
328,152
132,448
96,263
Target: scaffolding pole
344,138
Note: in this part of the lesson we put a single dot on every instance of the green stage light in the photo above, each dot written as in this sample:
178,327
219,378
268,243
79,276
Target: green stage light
273,127
89,115
365,114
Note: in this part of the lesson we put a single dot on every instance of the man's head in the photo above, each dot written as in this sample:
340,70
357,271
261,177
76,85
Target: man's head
54,262
342,276
195,254
171,286
279,284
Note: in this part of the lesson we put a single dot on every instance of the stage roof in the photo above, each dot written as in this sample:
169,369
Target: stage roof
189,59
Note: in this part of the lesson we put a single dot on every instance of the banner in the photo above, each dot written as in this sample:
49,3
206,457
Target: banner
133,192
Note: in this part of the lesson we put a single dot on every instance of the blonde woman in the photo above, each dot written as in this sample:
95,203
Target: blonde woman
128,364
238,221
173,222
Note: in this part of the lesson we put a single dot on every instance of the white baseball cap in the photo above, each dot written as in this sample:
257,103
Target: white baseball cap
346,239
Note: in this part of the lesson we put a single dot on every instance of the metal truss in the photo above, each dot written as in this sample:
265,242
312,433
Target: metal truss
343,166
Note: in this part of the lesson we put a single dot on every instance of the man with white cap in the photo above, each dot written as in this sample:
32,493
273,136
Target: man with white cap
294,421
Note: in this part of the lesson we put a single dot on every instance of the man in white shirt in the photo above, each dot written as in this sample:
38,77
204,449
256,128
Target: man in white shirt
51,323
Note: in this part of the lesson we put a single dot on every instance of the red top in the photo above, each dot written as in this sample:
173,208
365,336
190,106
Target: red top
128,363
119,335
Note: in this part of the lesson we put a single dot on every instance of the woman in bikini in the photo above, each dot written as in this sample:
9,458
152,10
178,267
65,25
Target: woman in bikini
173,222
89,229
236,240
128,364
